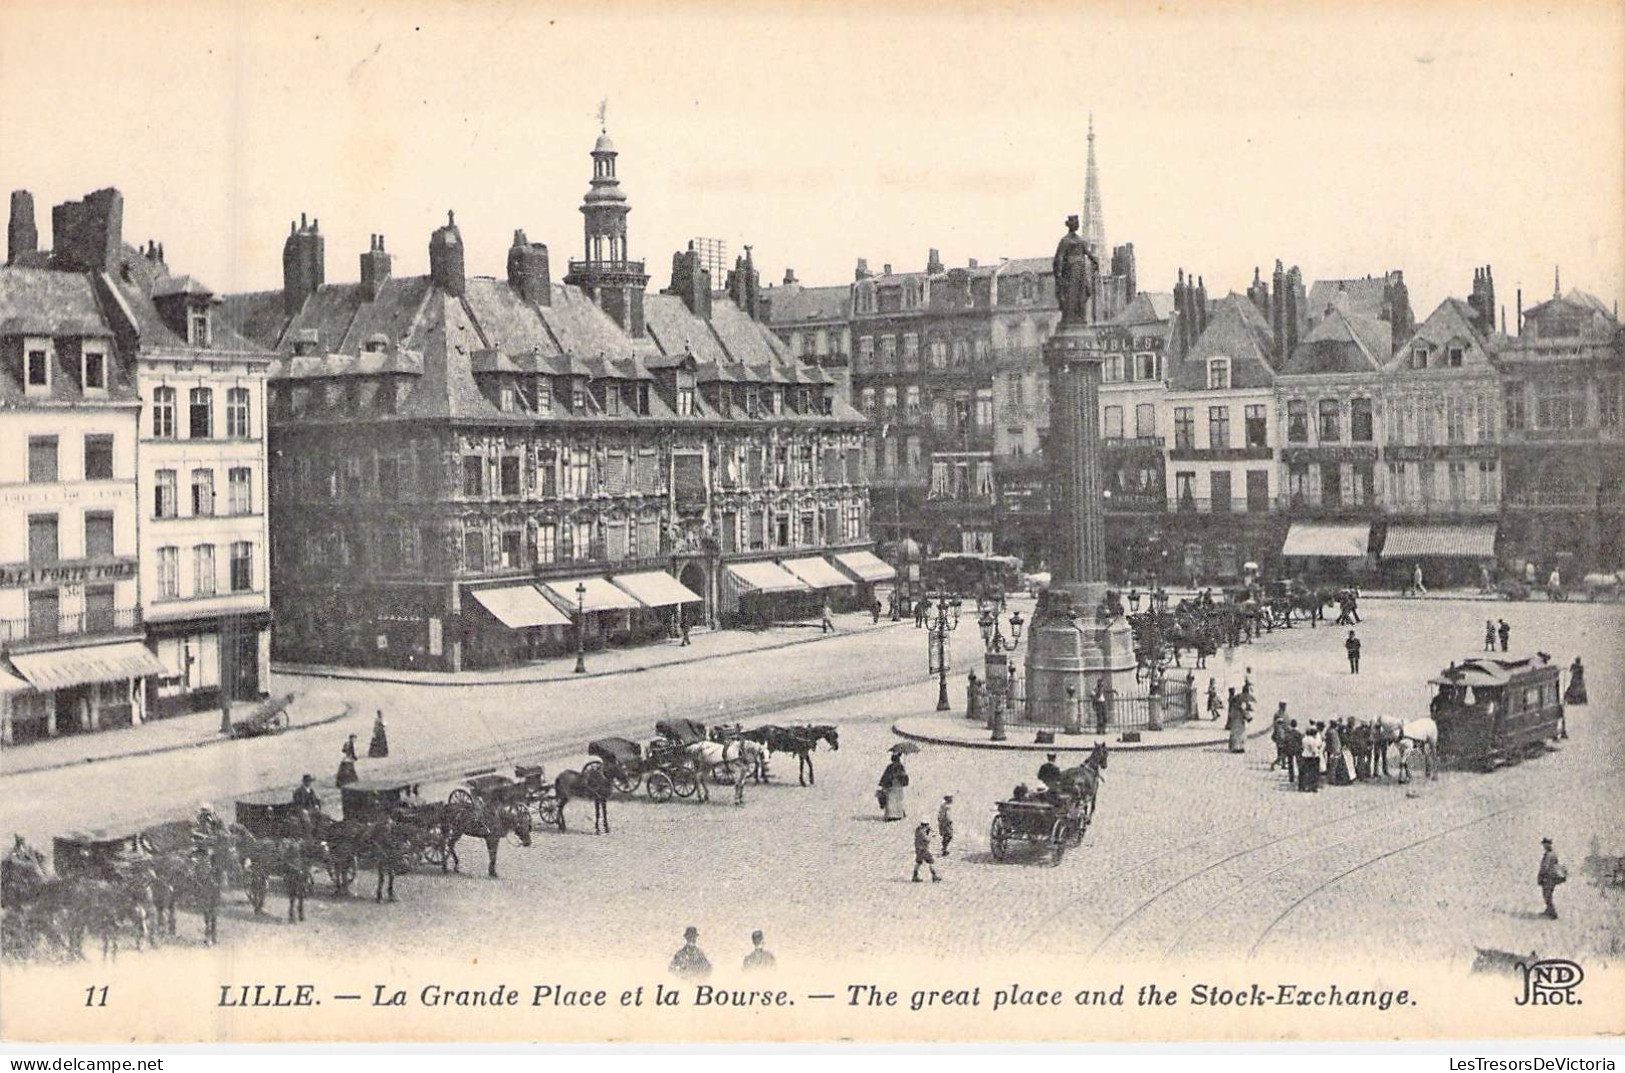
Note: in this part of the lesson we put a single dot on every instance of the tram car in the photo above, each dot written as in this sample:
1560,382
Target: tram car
1491,709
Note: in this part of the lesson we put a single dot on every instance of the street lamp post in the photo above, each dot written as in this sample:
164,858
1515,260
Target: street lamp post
997,666
947,622
581,627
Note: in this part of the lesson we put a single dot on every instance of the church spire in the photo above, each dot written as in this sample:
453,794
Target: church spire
1094,220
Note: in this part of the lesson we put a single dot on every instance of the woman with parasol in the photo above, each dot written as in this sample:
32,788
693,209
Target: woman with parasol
894,783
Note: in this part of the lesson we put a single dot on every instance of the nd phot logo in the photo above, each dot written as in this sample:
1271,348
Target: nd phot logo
1551,982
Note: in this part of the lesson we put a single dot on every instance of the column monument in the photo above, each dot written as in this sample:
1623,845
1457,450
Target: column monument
1075,639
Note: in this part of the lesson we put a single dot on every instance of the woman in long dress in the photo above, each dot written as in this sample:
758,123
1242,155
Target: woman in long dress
379,748
1237,724
1576,693
894,789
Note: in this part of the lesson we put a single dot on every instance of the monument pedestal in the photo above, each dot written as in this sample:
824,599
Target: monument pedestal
1073,642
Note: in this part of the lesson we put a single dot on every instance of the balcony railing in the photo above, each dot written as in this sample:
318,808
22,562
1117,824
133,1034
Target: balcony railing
42,628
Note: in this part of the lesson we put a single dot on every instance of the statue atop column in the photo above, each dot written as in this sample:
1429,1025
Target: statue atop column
1076,270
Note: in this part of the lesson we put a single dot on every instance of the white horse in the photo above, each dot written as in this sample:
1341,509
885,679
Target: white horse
1418,734
737,758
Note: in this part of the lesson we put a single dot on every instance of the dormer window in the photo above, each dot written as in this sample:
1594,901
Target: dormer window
804,399
507,399
1454,354
643,399
578,398
544,395
753,402
776,400
377,344
305,343
1419,357
612,400
37,366
685,402
93,369
197,326
1218,374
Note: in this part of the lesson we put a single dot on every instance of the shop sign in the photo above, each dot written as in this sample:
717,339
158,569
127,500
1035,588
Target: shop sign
17,575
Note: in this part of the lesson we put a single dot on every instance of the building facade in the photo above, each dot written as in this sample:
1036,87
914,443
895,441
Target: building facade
71,653
469,471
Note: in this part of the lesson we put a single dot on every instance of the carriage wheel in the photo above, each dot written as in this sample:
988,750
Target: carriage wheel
460,798
999,838
722,774
591,766
626,783
1058,838
659,786
547,810
684,782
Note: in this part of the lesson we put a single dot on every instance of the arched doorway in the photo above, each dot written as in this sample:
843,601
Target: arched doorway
693,578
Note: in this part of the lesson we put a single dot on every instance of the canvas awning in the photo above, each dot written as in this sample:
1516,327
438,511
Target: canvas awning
1439,542
1329,541
765,577
866,566
656,588
68,667
601,595
817,573
520,606
12,684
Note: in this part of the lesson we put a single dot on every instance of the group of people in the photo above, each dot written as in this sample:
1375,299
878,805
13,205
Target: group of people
690,962
892,796
376,750
1236,709
1333,752
1496,630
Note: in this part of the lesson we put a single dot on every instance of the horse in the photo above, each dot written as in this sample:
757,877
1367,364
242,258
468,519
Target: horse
593,784
1421,734
492,823
1087,777
735,758
197,880
801,741
1605,585
389,845
288,859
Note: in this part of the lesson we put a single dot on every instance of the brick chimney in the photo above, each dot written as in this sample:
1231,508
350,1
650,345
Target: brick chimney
446,257
933,263
21,234
304,263
88,235
744,287
691,282
790,277
862,272
529,270
374,269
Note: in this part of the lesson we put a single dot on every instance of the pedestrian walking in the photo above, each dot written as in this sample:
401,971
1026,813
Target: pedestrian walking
1417,587
758,959
1098,699
1489,635
1353,647
1504,632
945,822
1215,707
347,755
921,610
690,961
1551,874
922,852
1359,743
1554,586
1278,727
874,609
378,749
894,789
1485,584
1248,696
1576,692
1309,760
1236,724
1294,750
829,618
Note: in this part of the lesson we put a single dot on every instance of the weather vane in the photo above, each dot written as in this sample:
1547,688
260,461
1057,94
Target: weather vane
603,111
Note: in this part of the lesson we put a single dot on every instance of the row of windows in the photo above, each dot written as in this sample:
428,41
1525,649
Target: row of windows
240,575
819,343
939,353
1329,414
239,493
947,411
44,542
38,368
44,454
1562,403
200,423
1145,421
1255,427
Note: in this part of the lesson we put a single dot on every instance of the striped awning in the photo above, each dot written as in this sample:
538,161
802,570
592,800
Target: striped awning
520,606
12,684
765,576
817,573
1327,541
600,595
657,588
78,666
866,566
1439,542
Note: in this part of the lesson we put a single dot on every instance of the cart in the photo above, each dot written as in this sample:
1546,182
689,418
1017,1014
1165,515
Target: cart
370,801
528,790
1055,821
662,771
267,717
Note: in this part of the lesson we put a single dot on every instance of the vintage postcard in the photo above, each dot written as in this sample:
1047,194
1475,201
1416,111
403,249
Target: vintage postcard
742,522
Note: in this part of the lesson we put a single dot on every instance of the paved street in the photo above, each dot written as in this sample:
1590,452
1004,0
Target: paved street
1195,853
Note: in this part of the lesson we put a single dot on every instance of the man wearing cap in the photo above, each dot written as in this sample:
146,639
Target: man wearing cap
922,852
945,822
690,961
1551,874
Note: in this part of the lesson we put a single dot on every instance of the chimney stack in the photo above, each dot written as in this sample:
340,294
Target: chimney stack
790,277
88,235
744,287
529,270
886,271
375,269
863,272
304,259
973,263
691,282
933,263
21,234
446,257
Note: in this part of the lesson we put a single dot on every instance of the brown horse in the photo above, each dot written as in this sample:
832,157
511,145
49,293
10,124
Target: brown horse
1087,777
489,822
593,784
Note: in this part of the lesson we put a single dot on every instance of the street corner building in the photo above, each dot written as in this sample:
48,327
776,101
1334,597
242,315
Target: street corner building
469,471
133,534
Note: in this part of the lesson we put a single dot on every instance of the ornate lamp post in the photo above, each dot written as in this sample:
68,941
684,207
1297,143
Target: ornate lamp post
998,665
581,627
947,622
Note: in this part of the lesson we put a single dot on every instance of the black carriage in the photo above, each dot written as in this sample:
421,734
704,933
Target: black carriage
368,802
663,771
270,815
1492,709
94,854
1054,821
528,791
681,733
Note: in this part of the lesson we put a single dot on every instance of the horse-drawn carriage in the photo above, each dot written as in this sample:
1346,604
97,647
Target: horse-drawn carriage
94,854
529,791
662,771
418,823
1491,709
1055,820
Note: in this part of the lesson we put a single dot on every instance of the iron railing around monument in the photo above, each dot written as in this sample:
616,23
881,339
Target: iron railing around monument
1124,710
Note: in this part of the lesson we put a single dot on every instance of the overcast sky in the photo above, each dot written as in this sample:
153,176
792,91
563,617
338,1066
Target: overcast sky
1431,138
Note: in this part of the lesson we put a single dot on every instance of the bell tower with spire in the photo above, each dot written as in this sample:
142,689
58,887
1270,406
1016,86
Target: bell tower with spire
1094,218
605,274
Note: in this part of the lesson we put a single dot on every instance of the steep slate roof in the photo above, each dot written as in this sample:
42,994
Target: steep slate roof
39,301
1350,295
1340,344
1453,319
793,303
1147,307
1238,331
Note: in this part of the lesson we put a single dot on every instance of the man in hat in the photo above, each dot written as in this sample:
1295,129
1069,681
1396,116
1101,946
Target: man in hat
1504,632
758,959
690,961
206,828
1352,646
1551,874
1049,772
922,852
305,797
945,822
